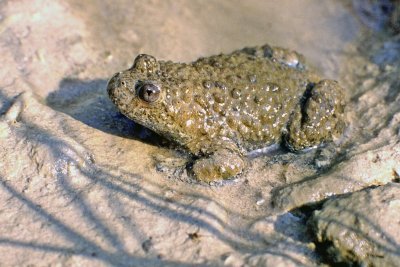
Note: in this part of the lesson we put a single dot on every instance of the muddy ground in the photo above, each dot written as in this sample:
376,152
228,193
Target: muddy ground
78,183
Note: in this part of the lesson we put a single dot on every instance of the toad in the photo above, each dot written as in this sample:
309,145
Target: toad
221,107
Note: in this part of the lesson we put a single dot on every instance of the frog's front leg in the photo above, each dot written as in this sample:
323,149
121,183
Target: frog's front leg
221,163
318,118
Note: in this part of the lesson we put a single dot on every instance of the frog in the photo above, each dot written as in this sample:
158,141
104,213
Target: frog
220,108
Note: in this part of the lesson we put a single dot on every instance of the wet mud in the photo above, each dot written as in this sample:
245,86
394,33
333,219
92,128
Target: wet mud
79,182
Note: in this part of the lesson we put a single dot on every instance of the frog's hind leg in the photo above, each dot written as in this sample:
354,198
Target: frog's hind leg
222,163
317,118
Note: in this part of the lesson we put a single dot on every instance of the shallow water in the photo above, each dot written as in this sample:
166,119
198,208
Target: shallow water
79,185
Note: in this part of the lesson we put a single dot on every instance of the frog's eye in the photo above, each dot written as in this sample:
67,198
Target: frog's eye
149,92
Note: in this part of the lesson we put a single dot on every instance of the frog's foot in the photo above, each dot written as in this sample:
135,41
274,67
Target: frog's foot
318,118
222,164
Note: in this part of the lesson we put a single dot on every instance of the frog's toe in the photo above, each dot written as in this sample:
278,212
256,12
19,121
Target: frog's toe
220,165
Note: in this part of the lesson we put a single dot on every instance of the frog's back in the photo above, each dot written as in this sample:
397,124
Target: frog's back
241,96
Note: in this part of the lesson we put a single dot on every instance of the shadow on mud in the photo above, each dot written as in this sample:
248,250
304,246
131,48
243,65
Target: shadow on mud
88,102
104,240
115,187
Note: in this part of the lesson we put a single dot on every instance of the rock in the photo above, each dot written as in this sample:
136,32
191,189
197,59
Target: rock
361,228
379,167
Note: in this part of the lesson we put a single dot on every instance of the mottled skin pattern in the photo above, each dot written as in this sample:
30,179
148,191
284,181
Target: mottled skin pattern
220,107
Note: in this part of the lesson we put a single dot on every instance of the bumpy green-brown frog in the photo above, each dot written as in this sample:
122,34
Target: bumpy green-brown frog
221,107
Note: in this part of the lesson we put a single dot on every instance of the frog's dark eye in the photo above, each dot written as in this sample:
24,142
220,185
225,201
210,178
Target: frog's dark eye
149,92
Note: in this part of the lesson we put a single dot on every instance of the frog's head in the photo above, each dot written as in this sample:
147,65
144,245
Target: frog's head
138,93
